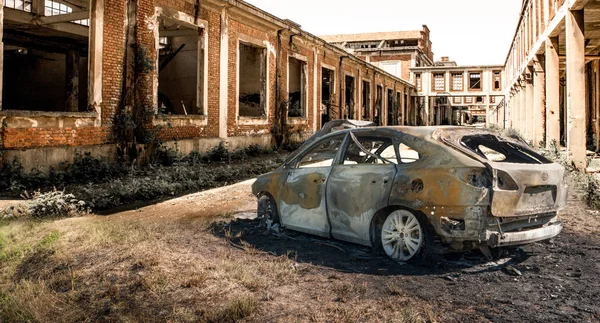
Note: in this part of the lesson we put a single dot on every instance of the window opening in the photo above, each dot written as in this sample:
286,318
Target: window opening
252,80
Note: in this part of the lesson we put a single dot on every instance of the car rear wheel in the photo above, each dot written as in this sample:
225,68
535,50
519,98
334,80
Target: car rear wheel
267,211
403,236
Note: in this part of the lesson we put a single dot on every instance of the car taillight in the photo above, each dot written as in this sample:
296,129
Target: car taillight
505,182
478,177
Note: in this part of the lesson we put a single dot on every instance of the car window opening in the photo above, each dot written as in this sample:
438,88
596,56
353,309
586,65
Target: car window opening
322,155
368,151
495,149
408,155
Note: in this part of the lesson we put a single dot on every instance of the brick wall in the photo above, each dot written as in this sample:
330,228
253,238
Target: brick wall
181,127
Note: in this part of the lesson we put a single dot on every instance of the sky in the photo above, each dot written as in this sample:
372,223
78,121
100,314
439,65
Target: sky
471,32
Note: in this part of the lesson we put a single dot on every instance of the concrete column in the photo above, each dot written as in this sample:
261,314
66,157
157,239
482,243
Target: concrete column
552,92
539,84
523,110
72,81
529,110
224,72
426,111
576,143
95,52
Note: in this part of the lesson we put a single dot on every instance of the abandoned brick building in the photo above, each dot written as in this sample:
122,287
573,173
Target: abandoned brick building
552,76
195,72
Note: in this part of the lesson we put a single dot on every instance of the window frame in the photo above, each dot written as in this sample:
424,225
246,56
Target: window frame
263,45
341,157
293,164
494,88
419,82
480,88
433,88
462,82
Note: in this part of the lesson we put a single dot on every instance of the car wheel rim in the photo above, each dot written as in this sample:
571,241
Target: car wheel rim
401,235
265,213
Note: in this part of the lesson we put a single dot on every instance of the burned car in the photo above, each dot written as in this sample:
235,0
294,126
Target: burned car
409,190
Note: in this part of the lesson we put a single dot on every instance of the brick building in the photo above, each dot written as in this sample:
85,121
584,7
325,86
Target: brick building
83,76
395,52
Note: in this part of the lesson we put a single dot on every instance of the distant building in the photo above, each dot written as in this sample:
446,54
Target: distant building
448,94
395,52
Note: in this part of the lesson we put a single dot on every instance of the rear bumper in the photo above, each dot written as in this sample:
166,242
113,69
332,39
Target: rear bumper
497,239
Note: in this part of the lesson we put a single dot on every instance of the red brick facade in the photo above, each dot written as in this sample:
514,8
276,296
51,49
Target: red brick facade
90,128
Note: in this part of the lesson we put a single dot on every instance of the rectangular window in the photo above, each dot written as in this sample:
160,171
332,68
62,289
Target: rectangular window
479,99
349,95
296,88
18,5
366,100
492,99
457,99
252,80
327,95
497,81
475,81
457,81
439,83
181,70
418,82
468,99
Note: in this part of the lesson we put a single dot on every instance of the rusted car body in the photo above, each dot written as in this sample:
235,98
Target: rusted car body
467,188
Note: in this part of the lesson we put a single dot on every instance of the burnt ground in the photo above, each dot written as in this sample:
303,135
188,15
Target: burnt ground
196,258
554,281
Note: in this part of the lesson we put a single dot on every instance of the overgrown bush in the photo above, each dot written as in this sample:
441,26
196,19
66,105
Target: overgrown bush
54,204
88,169
592,191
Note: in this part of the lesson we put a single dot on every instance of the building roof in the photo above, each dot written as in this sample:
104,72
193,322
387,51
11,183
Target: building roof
393,35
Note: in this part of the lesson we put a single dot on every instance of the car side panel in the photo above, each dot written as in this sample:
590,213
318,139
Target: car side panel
354,194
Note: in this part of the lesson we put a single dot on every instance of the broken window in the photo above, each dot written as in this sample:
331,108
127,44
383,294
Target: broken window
457,82
475,81
327,86
497,81
366,100
372,150
349,104
418,82
439,83
407,154
46,58
390,108
181,69
323,154
398,107
498,149
479,99
378,105
296,87
252,80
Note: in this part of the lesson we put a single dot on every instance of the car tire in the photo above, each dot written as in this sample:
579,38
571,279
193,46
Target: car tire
266,212
405,236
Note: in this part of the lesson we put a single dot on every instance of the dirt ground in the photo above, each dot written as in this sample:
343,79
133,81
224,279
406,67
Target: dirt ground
202,257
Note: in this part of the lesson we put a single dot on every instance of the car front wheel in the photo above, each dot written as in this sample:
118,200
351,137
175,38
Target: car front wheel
403,236
267,211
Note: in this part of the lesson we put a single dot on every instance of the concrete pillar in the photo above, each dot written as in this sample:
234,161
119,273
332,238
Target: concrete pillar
523,110
539,85
224,74
426,111
576,137
552,92
529,109
72,81
95,52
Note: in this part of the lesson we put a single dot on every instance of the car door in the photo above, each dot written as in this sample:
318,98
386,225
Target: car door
302,203
360,184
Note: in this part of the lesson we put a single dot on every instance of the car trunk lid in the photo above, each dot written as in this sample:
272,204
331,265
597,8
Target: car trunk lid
524,182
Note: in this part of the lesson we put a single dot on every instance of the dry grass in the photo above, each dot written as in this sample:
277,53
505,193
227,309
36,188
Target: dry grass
172,269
